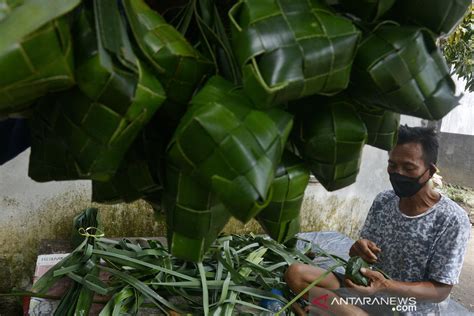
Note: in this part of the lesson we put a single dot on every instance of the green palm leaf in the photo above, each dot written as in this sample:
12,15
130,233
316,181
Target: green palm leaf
179,66
402,70
382,125
330,136
292,48
194,216
280,219
233,148
368,10
7,6
35,51
440,16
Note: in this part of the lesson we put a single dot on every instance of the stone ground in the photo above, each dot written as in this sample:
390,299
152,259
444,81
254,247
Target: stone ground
463,292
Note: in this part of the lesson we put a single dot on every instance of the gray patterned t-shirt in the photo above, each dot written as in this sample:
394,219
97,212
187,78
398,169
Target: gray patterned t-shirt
430,246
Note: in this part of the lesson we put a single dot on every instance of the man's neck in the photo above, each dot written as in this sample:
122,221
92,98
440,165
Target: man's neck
420,202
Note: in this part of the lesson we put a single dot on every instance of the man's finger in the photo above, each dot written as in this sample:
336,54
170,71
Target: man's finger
354,286
369,273
370,255
374,247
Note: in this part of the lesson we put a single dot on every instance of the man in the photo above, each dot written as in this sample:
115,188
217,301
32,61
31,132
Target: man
413,233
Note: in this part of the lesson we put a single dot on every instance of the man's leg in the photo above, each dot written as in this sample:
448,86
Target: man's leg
298,276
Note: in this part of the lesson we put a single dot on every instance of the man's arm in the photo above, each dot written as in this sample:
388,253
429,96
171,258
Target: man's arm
424,290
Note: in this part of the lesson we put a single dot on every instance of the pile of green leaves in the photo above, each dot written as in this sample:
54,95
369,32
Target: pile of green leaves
237,272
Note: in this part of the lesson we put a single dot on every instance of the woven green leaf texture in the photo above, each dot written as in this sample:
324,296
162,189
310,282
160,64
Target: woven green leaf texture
29,72
292,48
194,216
179,66
232,147
382,125
440,16
368,10
95,134
138,175
330,136
280,219
402,70
99,121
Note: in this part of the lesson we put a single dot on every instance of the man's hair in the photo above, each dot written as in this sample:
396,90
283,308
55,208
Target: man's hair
425,136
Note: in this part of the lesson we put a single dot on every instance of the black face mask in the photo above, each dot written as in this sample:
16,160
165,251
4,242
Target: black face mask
406,186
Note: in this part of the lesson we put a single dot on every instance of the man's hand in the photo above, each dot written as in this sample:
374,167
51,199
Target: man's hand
377,283
365,249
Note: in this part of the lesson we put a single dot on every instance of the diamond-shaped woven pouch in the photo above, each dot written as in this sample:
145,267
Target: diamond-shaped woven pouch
194,216
138,175
368,10
330,136
231,147
116,96
98,135
382,125
179,66
281,218
27,71
291,48
440,16
401,69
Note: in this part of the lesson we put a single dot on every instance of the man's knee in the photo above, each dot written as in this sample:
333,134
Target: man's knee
295,272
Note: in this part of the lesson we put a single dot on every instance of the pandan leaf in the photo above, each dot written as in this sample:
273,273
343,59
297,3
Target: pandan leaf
291,48
401,69
330,135
280,219
36,54
194,215
440,16
179,66
231,147
368,10
353,271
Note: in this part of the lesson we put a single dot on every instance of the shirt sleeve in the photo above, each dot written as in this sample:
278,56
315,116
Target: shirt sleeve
446,261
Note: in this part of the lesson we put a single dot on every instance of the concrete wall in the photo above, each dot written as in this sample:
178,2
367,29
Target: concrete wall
456,158
456,152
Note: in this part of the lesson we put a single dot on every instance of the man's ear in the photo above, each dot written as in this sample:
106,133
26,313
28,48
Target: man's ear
433,169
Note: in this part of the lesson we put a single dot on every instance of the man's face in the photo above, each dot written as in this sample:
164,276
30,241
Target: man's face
407,160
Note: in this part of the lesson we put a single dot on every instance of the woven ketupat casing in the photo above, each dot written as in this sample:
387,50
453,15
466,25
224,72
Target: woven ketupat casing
330,136
179,66
440,16
194,216
50,158
96,135
291,48
280,219
368,10
402,70
35,57
382,125
138,175
231,147
99,120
